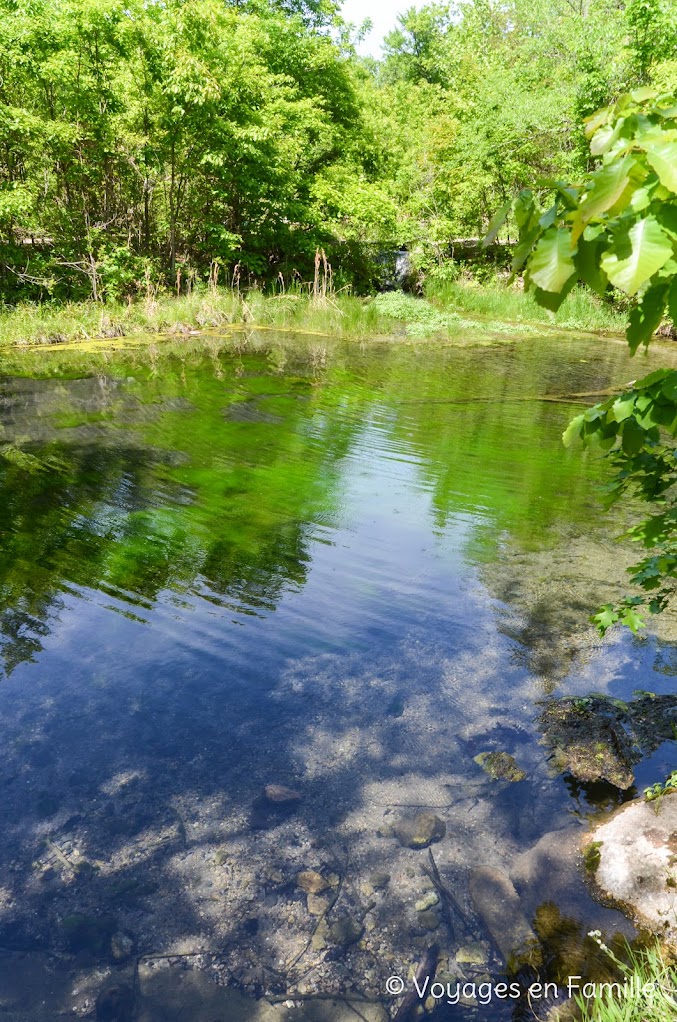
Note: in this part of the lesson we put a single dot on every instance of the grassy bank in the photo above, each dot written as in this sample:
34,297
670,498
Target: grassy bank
450,311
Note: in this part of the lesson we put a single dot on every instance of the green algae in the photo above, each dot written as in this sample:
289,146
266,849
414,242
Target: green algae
500,766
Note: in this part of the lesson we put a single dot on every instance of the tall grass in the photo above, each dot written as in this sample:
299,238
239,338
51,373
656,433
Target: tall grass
645,992
457,310
582,310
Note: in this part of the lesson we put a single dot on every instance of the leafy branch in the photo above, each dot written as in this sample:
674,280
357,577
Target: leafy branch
618,228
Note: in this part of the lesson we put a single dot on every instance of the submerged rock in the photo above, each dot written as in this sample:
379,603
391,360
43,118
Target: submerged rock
472,954
115,1004
551,869
500,766
588,740
637,862
428,920
379,880
345,931
279,795
312,882
420,831
122,945
427,901
273,805
597,738
317,906
497,903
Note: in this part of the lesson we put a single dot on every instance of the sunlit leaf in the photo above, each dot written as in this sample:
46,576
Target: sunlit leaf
497,222
649,248
608,185
552,263
663,159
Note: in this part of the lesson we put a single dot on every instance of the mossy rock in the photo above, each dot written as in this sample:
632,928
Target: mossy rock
500,766
588,739
592,856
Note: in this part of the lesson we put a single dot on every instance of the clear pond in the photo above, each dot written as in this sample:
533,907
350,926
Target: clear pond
346,569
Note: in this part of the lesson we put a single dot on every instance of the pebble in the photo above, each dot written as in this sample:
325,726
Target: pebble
427,901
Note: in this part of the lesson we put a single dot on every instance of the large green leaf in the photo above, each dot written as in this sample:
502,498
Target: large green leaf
648,248
552,263
663,158
646,317
497,222
587,264
608,184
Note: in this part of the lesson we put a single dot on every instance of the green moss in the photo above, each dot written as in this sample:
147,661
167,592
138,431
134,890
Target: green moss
592,856
500,766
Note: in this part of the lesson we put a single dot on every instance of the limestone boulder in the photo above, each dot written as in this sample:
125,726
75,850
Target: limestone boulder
635,858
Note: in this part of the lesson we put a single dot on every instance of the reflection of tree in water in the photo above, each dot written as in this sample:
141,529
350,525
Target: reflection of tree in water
121,512
207,476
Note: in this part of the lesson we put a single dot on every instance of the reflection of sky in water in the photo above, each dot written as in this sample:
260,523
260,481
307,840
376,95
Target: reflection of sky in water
302,596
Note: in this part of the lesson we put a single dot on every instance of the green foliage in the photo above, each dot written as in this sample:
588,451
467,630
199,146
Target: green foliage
657,791
249,134
182,132
634,427
644,992
620,228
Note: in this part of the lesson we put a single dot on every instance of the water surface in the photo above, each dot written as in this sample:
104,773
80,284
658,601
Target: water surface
346,569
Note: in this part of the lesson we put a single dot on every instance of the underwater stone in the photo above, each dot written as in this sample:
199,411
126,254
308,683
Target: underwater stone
427,901
379,880
498,905
345,931
317,906
121,945
279,795
500,766
312,882
420,831
428,920
553,864
590,737
472,954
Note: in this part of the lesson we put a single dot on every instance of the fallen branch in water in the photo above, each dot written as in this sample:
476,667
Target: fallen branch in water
556,398
426,967
446,897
